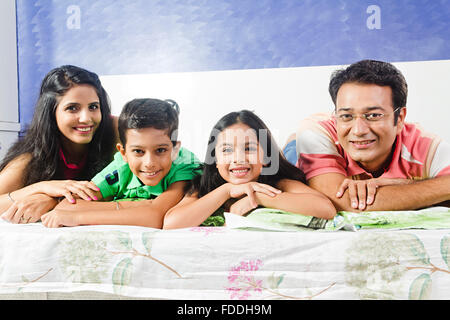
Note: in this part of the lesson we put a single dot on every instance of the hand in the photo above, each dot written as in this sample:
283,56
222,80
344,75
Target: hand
242,206
249,189
29,209
59,218
67,188
362,192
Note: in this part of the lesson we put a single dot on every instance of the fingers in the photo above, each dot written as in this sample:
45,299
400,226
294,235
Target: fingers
353,195
17,214
84,189
49,220
69,188
68,195
251,195
361,193
241,207
262,188
8,215
371,191
266,189
342,187
45,219
22,214
239,190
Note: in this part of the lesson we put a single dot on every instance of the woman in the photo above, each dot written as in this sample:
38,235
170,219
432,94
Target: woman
70,139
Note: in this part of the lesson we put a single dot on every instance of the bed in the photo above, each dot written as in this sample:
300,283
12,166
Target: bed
239,262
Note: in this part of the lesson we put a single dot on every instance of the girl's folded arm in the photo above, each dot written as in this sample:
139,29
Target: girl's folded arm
299,198
192,211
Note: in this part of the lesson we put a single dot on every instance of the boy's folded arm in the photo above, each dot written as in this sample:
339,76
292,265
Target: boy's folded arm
146,213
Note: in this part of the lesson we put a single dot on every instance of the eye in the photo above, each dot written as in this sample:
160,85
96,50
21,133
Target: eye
345,117
138,151
251,148
374,116
161,150
227,150
94,106
71,108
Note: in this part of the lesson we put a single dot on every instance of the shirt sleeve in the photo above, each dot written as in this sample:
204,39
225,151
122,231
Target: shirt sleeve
440,165
108,180
318,153
185,167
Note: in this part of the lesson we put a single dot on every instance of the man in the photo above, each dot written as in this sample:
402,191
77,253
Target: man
365,156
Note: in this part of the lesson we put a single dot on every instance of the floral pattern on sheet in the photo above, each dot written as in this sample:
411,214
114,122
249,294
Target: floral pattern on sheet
377,264
82,257
207,230
219,263
86,257
244,284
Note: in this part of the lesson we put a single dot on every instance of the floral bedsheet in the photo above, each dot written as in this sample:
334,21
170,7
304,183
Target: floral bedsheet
224,263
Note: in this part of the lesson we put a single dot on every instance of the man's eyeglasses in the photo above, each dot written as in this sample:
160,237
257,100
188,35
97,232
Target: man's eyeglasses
345,117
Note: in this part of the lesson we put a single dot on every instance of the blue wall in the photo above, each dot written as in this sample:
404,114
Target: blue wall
158,36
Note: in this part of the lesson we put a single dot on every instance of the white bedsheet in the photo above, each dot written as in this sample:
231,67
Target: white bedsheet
223,263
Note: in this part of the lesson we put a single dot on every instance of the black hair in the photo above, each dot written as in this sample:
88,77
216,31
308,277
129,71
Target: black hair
372,72
41,139
149,113
211,179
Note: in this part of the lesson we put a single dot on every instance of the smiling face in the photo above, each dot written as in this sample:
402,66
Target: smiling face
368,143
78,115
149,153
238,154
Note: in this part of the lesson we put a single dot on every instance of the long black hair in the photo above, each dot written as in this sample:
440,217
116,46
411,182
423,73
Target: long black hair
42,138
211,179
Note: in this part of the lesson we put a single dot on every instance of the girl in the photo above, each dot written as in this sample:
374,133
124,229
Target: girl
71,137
243,169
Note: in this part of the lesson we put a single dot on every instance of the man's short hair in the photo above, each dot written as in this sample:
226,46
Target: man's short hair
149,113
372,72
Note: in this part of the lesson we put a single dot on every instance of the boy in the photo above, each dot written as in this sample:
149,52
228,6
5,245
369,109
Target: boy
150,165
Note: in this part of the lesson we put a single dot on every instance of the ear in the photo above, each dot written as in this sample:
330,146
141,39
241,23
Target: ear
121,149
175,150
401,120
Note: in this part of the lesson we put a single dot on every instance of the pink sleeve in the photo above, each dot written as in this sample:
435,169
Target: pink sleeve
316,164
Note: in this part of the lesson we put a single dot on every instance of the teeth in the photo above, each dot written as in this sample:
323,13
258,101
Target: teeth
362,142
150,173
240,171
84,129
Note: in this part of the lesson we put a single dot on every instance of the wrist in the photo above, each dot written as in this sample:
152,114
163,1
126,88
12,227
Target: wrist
36,188
226,190
76,218
262,199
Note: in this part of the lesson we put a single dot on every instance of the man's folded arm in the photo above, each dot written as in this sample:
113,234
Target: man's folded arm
416,195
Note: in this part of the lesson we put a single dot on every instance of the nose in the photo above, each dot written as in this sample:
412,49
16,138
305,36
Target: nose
85,116
239,156
147,160
360,127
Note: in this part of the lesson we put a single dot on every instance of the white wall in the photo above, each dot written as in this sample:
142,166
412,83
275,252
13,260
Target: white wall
281,97
9,114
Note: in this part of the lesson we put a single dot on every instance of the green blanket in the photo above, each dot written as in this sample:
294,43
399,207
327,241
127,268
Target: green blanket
277,220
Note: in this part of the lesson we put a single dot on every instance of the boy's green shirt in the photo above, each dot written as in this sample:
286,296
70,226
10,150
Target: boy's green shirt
116,179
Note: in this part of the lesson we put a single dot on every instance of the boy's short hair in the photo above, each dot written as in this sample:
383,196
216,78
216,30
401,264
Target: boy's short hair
372,72
149,113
